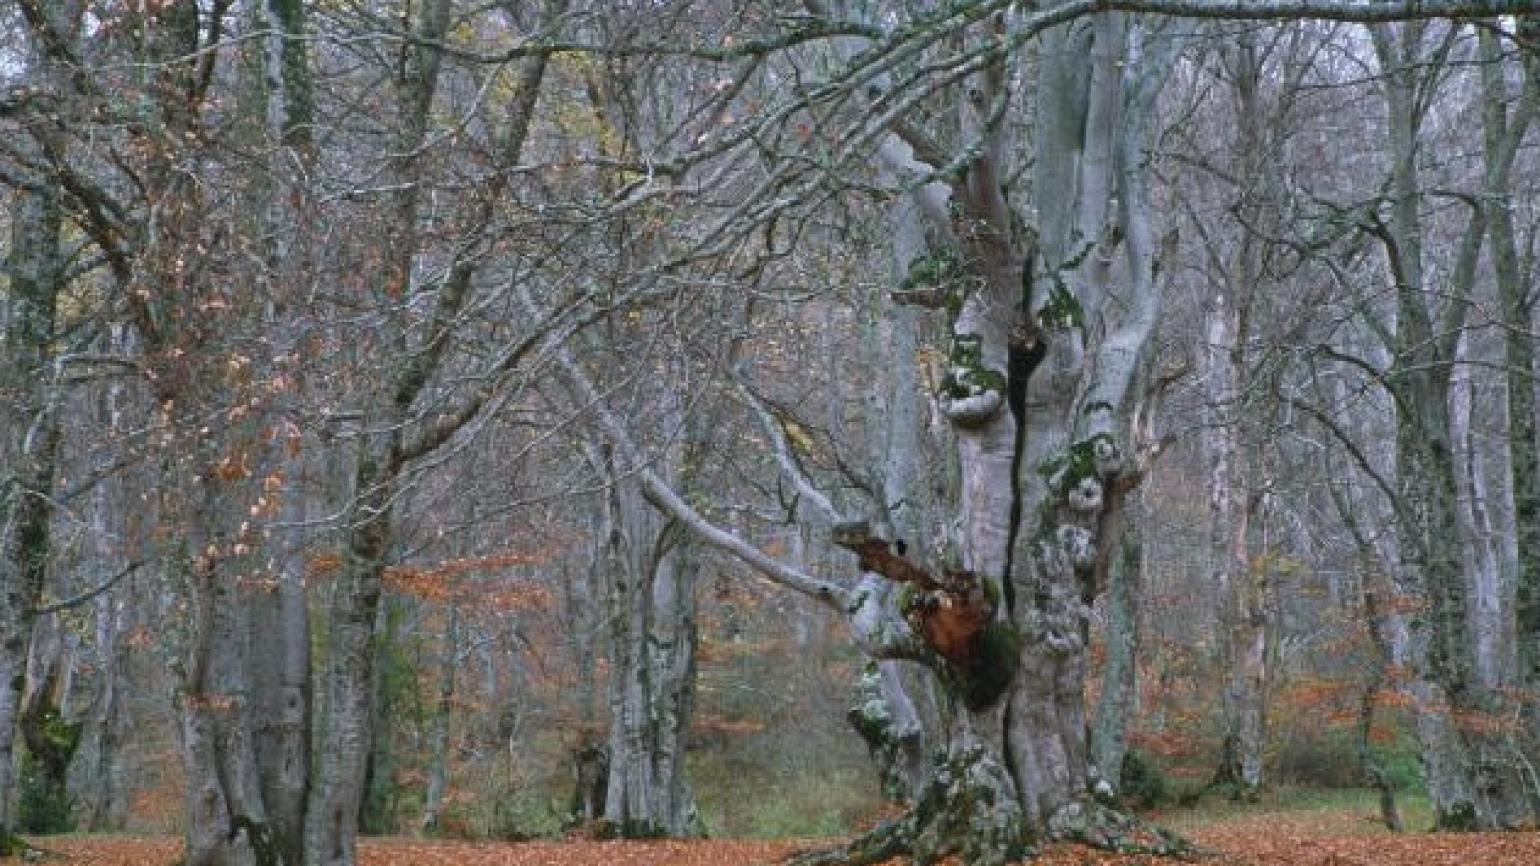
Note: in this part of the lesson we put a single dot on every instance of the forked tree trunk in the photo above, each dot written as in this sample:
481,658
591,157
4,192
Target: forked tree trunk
1079,459
1040,382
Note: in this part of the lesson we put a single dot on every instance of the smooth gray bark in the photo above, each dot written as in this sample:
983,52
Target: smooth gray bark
650,569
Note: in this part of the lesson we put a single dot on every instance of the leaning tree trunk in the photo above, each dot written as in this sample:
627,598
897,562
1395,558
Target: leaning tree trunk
882,711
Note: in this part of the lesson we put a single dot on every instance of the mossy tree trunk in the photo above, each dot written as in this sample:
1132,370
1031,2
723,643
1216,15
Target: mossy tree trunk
29,397
1086,443
1039,390
30,453
46,804
1474,778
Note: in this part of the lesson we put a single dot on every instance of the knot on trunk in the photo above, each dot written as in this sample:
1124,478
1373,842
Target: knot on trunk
972,394
972,412
1086,496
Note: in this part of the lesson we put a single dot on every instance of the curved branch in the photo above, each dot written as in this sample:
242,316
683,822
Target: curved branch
93,592
668,500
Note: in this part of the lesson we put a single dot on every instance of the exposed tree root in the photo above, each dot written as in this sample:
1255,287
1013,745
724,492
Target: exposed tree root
1113,829
884,842
966,808
928,841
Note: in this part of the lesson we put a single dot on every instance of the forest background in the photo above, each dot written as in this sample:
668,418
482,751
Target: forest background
752,418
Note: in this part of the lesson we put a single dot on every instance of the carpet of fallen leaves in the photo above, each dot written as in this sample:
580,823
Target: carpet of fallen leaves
1333,838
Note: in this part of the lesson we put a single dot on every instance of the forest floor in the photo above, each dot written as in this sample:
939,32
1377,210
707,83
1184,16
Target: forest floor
1336,829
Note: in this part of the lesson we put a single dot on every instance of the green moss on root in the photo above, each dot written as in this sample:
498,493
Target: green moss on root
1459,818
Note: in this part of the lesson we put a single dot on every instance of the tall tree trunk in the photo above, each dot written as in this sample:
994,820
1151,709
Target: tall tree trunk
1516,296
651,600
29,450
1481,558
1242,620
390,439
346,687
1471,773
103,791
227,821
1244,633
283,211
